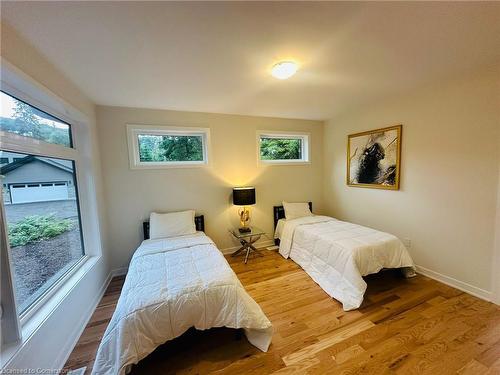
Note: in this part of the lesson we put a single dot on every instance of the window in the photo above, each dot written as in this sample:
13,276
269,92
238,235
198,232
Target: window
42,212
4,161
20,118
49,223
283,148
43,224
162,146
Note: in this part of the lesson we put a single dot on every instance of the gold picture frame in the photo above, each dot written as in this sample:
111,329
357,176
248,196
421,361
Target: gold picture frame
376,160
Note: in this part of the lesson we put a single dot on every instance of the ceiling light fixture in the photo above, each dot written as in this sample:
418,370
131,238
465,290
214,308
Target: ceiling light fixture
284,69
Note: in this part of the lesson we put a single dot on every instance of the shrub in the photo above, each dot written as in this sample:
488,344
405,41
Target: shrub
37,228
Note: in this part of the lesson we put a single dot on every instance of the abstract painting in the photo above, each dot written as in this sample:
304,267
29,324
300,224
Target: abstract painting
373,158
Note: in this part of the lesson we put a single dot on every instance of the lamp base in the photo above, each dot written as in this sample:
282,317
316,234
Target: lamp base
244,230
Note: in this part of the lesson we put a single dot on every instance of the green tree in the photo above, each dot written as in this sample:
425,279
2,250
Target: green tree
280,149
52,134
26,121
181,148
147,146
170,148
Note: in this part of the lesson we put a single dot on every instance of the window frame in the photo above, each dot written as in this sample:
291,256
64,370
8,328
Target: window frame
134,130
303,136
22,87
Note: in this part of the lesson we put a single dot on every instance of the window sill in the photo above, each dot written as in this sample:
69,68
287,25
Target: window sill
31,322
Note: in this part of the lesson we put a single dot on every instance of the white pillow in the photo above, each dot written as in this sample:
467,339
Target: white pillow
171,224
296,210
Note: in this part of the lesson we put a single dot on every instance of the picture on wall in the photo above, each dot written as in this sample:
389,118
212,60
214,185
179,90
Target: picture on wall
373,158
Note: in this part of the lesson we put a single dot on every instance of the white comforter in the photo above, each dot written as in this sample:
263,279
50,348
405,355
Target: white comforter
336,254
172,285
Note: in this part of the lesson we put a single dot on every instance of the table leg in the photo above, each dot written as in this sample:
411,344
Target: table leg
238,251
246,245
248,252
242,248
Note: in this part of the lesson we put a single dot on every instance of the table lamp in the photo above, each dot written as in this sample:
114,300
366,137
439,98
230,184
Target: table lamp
244,196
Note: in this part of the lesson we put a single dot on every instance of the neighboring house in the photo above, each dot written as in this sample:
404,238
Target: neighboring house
9,157
36,179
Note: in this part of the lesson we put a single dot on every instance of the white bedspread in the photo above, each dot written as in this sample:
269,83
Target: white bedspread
172,285
336,254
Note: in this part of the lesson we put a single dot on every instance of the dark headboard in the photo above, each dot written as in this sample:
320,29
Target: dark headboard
279,213
199,222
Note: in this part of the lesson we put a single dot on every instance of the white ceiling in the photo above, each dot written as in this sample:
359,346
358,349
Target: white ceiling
215,57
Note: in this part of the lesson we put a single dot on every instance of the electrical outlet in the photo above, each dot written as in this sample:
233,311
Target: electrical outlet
407,243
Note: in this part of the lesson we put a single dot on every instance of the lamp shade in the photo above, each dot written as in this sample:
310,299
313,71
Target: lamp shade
243,196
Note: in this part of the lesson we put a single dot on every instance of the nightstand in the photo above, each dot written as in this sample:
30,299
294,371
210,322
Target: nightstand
246,240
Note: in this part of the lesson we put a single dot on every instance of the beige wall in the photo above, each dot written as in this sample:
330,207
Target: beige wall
450,158
132,194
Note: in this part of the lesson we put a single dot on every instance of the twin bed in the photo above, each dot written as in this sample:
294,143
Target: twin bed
178,279
337,254
173,284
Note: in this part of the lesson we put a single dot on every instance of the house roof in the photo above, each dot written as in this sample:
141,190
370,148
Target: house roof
30,158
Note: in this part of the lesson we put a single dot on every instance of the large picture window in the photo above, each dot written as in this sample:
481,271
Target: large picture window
161,146
43,222
282,148
40,199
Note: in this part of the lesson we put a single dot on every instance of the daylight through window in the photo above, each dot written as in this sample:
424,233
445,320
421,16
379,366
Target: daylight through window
39,193
156,147
282,148
168,148
23,119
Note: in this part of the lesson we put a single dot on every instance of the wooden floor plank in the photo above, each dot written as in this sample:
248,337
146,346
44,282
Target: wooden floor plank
415,326
333,338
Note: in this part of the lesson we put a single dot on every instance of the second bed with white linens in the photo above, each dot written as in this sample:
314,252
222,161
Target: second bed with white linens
337,254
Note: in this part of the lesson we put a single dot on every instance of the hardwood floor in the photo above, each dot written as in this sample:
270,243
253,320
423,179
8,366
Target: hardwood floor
415,326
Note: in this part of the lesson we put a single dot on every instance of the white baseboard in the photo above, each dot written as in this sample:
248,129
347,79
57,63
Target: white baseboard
80,327
119,272
258,244
460,285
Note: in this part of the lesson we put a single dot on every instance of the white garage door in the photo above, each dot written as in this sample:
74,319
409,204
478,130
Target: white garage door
50,191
